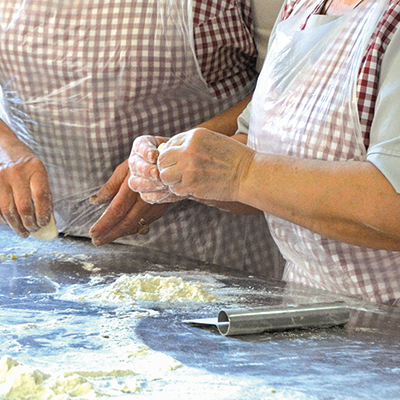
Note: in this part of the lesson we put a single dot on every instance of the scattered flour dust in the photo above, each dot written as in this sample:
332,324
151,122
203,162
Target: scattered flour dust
136,370
78,259
128,289
25,383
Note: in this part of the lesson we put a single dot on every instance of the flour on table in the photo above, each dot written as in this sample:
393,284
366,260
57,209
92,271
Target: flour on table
81,259
9,256
128,289
24,383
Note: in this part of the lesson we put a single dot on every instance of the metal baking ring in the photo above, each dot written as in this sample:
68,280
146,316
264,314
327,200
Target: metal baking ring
143,227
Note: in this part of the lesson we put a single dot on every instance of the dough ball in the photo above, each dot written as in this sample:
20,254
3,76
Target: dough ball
48,232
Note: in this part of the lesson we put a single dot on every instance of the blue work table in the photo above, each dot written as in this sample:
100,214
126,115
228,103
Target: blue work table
39,325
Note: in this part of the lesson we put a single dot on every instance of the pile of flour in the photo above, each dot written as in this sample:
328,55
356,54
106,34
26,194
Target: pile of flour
129,289
113,362
23,382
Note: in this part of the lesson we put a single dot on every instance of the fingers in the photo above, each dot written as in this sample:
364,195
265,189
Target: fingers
112,186
10,215
25,198
171,175
136,219
26,204
141,185
21,208
142,169
170,166
102,231
146,147
144,175
42,198
164,196
123,215
167,163
125,210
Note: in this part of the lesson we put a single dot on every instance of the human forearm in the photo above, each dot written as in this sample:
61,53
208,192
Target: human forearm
226,123
348,201
231,206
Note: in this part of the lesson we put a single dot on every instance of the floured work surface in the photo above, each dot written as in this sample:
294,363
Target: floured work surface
79,322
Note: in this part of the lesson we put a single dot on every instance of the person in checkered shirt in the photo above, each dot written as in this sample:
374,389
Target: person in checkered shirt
81,80
320,149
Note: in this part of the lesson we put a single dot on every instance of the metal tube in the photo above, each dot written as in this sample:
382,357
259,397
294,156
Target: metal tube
258,320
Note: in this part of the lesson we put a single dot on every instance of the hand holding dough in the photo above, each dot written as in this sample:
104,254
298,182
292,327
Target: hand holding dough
144,177
48,232
204,165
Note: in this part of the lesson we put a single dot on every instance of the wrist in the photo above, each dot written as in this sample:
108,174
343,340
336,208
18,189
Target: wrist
246,182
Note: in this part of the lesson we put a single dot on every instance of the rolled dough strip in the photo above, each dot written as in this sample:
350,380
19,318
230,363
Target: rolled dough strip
48,232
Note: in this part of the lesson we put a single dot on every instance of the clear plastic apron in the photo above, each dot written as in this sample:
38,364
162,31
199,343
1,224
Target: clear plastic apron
83,78
305,106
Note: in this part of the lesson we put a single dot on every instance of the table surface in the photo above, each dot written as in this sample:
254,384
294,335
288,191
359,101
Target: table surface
47,323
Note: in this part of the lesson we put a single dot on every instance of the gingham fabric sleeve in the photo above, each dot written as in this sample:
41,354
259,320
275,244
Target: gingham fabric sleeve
224,44
384,145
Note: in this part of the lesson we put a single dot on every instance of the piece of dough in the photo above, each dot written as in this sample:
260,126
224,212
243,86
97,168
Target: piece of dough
48,232
159,148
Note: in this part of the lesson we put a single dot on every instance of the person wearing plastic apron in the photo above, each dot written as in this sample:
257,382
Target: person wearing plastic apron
323,140
82,79
316,89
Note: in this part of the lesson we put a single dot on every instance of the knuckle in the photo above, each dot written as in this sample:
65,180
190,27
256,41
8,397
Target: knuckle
116,213
133,159
148,198
29,222
8,213
134,183
153,198
25,208
176,190
119,213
